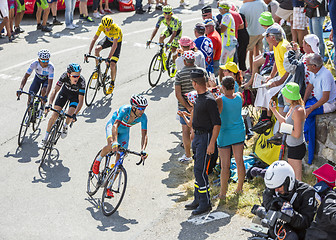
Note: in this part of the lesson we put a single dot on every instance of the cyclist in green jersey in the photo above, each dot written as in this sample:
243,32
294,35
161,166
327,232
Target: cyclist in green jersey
174,30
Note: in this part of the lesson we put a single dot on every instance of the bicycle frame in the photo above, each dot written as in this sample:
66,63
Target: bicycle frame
100,60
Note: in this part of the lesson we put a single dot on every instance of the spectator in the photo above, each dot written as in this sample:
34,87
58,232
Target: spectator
323,83
83,11
231,134
138,7
239,24
11,8
204,44
20,10
69,12
252,11
285,11
206,125
95,6
316,18
243,41
273,6
230,69
207,14
332,13
184,3
296,147
105,10
229,40
5,20
53,7
186,44
42,5
216,42
299,22
183,85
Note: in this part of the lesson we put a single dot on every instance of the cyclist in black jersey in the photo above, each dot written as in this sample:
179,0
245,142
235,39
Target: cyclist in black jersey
72,88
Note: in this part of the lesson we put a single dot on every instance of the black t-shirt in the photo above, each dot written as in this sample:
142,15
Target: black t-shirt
206,113
65,81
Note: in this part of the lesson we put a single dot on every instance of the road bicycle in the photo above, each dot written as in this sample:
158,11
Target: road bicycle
55,133
97,80
161,62
112,178
32,116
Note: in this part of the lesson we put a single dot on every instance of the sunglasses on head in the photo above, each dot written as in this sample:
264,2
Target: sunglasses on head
141,108
75,76
44,61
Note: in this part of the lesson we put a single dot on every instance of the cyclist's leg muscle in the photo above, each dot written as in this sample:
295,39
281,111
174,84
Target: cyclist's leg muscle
53,118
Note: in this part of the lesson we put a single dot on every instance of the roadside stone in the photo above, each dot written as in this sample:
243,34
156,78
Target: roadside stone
328,153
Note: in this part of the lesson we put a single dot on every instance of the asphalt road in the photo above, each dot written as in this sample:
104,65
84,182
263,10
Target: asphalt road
57,206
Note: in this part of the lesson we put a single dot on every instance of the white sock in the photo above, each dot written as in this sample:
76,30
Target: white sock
99,158
46,136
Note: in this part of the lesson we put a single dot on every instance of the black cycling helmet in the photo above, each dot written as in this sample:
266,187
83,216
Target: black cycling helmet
74,67
138,101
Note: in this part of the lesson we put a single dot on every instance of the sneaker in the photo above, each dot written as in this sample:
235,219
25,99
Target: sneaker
95,75
110,89
185,159
42,144
108,11
276,139
96,15
95,167
102,12
18,30
81,16
39,26
75,25
64,132
11,38
70,27
158,7
49,24
262,126
140,11
184,4
88,19
56,22
46,29
109,193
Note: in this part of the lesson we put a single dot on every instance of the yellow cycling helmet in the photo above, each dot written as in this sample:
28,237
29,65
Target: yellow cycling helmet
107,21
167,9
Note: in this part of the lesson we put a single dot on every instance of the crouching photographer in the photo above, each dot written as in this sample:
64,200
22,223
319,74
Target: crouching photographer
290,204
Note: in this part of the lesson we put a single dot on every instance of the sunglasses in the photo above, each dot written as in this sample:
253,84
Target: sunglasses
75,76
168,13
141,108
44,61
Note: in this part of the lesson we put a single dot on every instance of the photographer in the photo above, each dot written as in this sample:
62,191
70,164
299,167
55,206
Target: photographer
294,198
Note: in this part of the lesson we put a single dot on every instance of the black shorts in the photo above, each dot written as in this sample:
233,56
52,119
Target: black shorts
297,152
65,95
105,43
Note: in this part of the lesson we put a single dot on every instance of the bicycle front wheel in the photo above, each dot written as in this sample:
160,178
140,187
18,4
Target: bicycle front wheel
38,116
114,191
94,180
91,88
49,144
155,70
24,125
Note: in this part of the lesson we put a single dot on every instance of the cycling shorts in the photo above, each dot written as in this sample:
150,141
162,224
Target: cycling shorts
123,137
20,7
65,95
168,32
37,83
44,4
105,43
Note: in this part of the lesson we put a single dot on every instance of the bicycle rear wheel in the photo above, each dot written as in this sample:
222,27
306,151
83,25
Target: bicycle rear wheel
24,125
171,71
94,180
49,144
91,88
38,115
117,185
155,70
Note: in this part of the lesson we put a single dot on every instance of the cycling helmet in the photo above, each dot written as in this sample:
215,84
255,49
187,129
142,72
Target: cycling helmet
74,67
278,174
167,9
107,21
138,101
43,54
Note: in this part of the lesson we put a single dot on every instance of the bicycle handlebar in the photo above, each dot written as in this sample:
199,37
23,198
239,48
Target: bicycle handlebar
157,43
121,149
100,59
61,113
31,94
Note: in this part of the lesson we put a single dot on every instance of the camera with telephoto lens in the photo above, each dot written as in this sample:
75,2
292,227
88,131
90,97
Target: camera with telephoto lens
269,218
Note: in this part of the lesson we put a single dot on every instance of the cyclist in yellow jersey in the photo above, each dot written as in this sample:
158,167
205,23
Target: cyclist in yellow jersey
113,39
174,30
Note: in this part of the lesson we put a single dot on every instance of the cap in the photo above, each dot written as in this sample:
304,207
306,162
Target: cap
266,19
313,41
206,9
231,66
274,29
197,73
209,22
200,26
185,41
189,54
191,96
291,91
224,5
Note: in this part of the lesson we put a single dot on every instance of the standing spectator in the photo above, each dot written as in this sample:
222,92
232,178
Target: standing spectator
42,5
105,10
207,14
184,85
332,13
20,10
273,6
296,147
204,44
231,135
285,10
299,21
239,24
83,11
243,41
138,7
53,7
69,12
5,20
316,18
206,124
229,40
95,6
216,42
11,8
323,83
252,11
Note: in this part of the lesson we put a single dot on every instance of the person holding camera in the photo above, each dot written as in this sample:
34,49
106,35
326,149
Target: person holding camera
291,197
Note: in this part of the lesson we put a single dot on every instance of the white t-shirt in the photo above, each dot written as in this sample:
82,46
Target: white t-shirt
199,61
323,81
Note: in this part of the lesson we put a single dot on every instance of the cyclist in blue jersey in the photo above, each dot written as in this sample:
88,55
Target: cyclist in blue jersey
44,75
118,128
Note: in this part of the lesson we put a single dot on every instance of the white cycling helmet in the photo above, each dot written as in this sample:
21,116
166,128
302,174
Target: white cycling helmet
138,101
278,174
43,54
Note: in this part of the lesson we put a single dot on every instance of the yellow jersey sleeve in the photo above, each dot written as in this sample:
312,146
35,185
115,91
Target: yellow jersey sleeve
100,29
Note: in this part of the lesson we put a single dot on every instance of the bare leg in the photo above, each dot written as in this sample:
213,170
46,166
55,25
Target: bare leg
224,154
238,154
38,15
186,140
297,166
45,16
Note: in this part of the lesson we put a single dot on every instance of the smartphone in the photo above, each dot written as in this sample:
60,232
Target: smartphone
214,90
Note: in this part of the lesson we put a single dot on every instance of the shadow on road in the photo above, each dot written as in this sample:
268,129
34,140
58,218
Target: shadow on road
142,17
98,110
162,90
115,222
